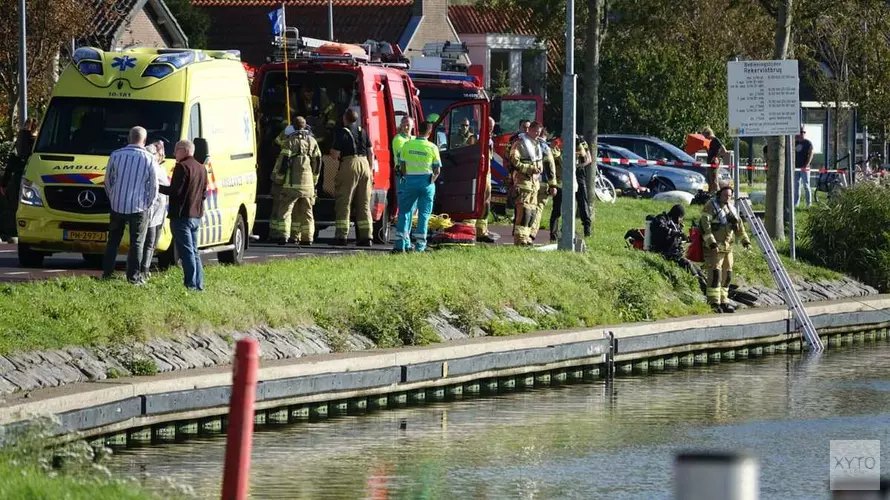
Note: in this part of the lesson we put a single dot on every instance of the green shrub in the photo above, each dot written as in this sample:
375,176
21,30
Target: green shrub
5,149
852,234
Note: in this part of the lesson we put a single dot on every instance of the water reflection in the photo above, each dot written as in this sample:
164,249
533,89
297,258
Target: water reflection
593,440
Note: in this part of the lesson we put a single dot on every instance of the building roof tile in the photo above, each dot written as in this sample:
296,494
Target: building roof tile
476,20
473,20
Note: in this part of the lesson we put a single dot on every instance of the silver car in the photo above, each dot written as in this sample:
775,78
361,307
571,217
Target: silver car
658,179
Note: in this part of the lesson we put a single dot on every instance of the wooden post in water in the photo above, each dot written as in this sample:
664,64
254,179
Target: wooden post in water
236,474
713,475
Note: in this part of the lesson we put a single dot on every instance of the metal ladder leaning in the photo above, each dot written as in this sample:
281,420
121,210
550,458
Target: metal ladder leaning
783,281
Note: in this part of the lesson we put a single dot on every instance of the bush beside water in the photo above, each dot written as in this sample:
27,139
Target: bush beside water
851,234
31,466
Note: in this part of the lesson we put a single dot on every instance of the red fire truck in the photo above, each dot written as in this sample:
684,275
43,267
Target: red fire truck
324,79
443,80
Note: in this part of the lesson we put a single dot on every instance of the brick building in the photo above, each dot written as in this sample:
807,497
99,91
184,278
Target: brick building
506,44
244,25
126,23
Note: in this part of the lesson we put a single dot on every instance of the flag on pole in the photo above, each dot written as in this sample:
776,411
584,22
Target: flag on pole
276,17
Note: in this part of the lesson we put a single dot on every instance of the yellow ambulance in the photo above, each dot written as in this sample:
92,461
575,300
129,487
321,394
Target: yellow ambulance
174,94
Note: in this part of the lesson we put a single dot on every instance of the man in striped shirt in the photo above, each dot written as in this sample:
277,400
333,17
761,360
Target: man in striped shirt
132,185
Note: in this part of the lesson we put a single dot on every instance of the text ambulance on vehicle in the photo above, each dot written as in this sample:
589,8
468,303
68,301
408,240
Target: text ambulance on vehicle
174,94
324,80
443,80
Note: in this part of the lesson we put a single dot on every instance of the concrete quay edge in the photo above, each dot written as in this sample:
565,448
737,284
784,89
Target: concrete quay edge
112,403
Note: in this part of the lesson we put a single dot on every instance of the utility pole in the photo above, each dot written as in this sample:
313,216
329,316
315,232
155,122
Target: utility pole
567,241
736,154
331,20
23,65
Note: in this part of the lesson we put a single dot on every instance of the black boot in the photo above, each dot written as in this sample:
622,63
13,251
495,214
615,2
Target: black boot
485,238
727,308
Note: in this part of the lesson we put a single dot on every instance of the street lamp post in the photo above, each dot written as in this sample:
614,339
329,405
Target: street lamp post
567,241
23,66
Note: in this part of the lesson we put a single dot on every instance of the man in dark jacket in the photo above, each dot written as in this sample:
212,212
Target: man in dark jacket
668,238
187,191
12,177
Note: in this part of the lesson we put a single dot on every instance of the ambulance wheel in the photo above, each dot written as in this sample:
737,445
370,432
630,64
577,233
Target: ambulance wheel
30,258
239,239
383,228
168,258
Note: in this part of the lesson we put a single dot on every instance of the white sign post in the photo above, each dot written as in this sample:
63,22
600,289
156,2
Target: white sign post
764,101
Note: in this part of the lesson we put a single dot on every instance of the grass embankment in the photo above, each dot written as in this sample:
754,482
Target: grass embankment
32,483
386,297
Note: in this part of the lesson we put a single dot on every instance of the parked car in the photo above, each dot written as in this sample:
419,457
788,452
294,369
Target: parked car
653,148
657,178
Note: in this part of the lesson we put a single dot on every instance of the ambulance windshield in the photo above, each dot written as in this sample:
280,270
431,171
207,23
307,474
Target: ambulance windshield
93,126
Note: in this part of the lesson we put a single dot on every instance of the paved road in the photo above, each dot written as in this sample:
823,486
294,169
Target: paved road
69,264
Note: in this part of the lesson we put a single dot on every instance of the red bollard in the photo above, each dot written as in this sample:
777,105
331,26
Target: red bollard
239,441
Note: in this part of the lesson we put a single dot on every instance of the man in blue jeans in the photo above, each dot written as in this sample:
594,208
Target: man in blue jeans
187,191
419,166
803,158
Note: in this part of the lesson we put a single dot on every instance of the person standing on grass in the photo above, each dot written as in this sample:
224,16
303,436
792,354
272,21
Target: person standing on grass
803,158
716,150
721,225
132,185
187,191
158,211
420,166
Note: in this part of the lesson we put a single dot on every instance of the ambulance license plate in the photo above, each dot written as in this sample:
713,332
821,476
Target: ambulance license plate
97,236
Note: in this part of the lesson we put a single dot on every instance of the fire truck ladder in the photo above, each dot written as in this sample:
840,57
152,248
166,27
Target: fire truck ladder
783,281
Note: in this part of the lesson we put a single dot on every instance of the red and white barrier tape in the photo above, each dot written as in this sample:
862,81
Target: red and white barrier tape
664,163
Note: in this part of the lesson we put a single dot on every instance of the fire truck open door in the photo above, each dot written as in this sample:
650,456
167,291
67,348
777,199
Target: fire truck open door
465,159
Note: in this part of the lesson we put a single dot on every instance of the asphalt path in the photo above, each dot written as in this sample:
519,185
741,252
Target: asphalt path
73,264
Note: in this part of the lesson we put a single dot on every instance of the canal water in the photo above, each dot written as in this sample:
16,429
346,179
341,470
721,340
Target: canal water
584,441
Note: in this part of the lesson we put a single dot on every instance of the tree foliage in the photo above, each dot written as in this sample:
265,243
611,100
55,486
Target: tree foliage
194,21
51,25
847,47
663,63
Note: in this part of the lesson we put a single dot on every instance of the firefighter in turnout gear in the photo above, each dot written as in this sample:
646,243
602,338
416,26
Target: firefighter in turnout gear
527,160
547,188
482,234
720,223
293,186
354,181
